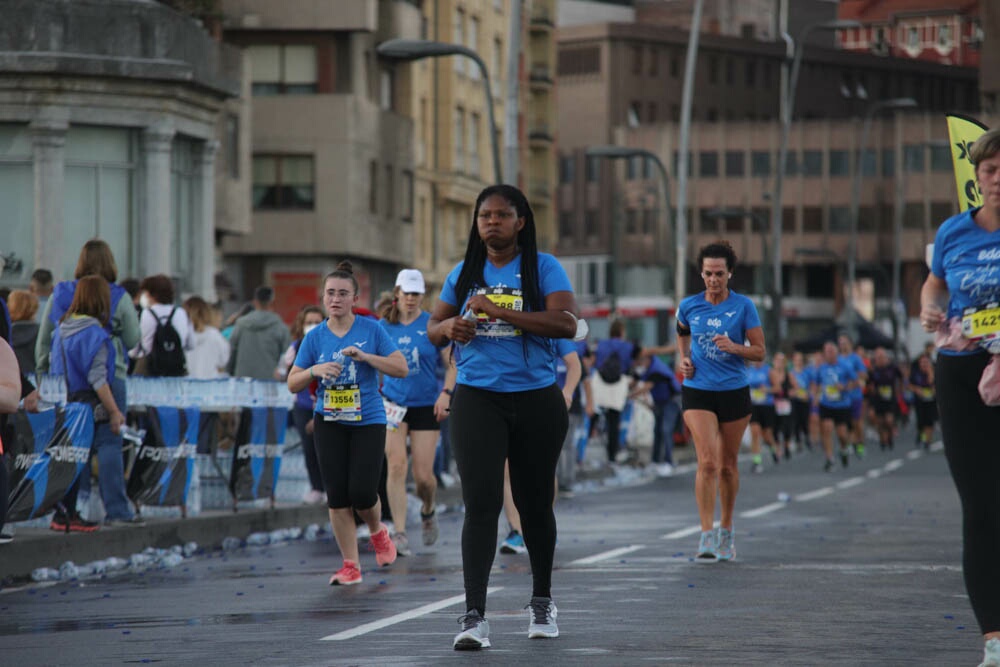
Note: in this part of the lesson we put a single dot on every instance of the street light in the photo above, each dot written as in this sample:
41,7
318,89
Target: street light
417,49
771,290
852,248
787,109
624,153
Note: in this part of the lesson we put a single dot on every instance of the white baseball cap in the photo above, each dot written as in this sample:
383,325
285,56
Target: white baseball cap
411,281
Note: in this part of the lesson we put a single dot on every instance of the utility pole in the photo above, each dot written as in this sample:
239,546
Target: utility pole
683,147
510,107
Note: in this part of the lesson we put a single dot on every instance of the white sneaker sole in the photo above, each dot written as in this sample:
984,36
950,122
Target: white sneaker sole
470,643
543,634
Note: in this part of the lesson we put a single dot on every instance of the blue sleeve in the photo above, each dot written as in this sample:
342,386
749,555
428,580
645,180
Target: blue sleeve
6,319
937,257
564,346
552,276
682,314
448,289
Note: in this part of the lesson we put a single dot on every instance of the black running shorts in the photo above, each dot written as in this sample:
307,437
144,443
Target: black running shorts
729,406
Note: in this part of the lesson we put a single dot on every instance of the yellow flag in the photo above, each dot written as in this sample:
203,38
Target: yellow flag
962,131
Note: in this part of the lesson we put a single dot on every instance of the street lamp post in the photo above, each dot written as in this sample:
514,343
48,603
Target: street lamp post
787,111
624,153
852,248
417,49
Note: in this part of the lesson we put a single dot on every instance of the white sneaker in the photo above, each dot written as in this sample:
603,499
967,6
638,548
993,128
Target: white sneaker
991,654
475,633
542,614
314,497
664,470
447,481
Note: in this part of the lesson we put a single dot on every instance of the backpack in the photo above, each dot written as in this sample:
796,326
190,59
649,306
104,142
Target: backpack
610,369
166,358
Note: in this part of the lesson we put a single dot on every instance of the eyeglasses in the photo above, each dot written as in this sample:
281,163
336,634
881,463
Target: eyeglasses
342,294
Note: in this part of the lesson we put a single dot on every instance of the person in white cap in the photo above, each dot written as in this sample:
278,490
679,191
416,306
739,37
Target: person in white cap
414,407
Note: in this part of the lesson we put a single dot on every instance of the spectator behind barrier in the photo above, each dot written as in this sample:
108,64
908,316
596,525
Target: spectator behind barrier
258,340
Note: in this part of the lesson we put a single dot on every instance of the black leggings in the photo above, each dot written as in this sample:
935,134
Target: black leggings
612,424
969,429
350,462
800,421
527,429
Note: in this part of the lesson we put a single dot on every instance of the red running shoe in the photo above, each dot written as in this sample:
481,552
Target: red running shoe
72,524
347,575
385,550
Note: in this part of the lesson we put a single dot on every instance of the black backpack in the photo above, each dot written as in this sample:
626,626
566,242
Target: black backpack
611,369
166,358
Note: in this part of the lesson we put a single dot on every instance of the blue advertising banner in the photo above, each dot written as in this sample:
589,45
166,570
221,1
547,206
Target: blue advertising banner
257,455
164,463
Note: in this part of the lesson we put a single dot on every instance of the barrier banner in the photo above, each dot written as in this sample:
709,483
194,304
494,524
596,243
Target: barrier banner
963,131
164,463
32,431
53,472
257,453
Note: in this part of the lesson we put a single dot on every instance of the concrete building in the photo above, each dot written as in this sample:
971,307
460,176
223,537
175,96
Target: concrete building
454,150
118,119
621,83
332,147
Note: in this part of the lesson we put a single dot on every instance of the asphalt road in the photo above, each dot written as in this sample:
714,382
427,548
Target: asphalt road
859,567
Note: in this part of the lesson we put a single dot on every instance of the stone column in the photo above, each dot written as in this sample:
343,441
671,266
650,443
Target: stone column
156,224
48,137
203,280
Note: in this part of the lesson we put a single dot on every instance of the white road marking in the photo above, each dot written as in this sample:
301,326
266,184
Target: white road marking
761,511
683,532
813,495
613,553
849,482
874,473
399,618
894,464
937,446
915,454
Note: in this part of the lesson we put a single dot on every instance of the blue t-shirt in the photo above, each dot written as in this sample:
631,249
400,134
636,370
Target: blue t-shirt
495,358
804,379
759,379
854,361
321,345
609,346
832,380
715,370
665,385
420,387
967,258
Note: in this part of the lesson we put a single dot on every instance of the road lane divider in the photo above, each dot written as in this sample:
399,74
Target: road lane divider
613,553
400,618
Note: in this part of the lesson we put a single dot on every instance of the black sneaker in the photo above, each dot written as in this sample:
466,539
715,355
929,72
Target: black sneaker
828,466
845,456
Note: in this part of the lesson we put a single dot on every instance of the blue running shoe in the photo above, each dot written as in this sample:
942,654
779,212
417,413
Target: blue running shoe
725,548
514,544
706,548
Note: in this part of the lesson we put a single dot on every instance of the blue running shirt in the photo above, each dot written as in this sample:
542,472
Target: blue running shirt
854,362
419,388
495,358
760,385
715,370
967,258
357,385
832,380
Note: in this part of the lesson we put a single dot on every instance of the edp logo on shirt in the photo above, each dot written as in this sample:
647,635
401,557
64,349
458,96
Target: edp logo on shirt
714,322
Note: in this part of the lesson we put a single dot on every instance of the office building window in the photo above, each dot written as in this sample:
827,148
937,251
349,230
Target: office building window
593,168
941,158
232,145
473,44
675,65
791,163
283,182
730,72
590,222
840,163
713,69
869,162
941,211
750,72
459,156
474,144
567,169
636,60
390,193
735,163
565,226
707,224
913,216
913,158
760,163
840,219
690,163
631,221
458,37
633,167
654,64
888,162
649,218
498,69
812,163
406,196
283,69
373,186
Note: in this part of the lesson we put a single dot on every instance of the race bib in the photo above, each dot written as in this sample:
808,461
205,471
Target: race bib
831,392
982,324
885,392
342,403
394,414
782,407
926,393
801,394
758,396
504,297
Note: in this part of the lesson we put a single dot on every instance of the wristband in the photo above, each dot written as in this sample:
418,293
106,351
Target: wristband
450,392
311,373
